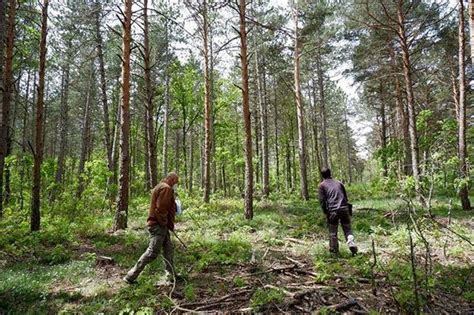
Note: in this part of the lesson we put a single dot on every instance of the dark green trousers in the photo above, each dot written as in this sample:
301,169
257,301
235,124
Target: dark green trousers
160,242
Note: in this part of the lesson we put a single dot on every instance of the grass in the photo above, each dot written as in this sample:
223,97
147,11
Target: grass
54,270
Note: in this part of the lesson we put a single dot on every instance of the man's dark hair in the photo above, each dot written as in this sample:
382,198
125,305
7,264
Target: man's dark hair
326,173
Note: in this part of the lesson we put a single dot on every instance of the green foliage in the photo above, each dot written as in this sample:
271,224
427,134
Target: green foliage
262,298
226,252
189,293
239,282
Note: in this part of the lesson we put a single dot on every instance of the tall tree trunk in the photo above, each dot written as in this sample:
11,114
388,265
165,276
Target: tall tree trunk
277,145
121,214
10,137
471,29
462,148
248,198
149,107
23,141
38,154
207,107
64,119
317,153
3,32
289,187
103,88
262,104
322,106
7,92
383,131
348,139
300,115
116,132
191,164
407,72
403,123
85,137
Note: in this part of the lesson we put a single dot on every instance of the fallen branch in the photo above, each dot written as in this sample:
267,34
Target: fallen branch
216,301
294,240
343,306
452,231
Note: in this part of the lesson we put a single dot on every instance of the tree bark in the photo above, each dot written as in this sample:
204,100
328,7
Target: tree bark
121,214
317,153
277,145
38,154
248,198
407,72
149,107
348,139
322,106
64,116
462,148
471,29
383,131
401,111
300,115
7,92
103,88
262,102
207,106
164,165
85,137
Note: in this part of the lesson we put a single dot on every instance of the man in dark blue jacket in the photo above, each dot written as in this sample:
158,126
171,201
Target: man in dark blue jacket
333,200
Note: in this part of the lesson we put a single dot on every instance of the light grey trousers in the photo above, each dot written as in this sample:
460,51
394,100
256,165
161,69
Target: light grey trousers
160,241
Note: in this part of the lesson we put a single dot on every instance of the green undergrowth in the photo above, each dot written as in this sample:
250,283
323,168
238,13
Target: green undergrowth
54,270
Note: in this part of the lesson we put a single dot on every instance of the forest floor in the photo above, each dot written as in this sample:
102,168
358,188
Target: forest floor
278,262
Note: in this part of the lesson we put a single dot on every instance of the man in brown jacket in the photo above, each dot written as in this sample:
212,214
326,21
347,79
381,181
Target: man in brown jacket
161,217
333,200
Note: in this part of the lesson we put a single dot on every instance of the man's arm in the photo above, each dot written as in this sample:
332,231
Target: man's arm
322,199
166,200
344,191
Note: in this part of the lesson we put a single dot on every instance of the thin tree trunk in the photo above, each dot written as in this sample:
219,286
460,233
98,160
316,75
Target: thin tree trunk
121,214
471,29
383,132
248,198
10,137
277,145
207,107
317,154
262,102
348,139
149,107
410,100
164,165
64,116
191,164
38,154
288,165
115,140
85,135
322,104
23,141
7,92
462,148
103,87
300,115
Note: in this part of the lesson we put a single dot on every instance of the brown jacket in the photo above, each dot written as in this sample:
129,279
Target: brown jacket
162,206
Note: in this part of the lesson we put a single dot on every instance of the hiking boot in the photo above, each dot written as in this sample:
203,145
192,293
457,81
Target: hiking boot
128,280
351,244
